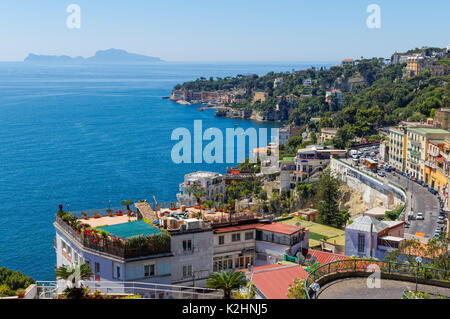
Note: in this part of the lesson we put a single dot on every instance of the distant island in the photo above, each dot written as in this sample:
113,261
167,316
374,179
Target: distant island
111,56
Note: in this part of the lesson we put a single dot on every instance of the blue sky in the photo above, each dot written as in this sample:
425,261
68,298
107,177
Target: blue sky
223,30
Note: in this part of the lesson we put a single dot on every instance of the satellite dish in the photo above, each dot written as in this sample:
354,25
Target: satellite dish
301,259
312,261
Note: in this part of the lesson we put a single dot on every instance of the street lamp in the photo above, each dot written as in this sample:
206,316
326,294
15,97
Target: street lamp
418,261
315,287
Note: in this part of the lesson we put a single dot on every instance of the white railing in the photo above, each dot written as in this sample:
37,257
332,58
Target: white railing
51,290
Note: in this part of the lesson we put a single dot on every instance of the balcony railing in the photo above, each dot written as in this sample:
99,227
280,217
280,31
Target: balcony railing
116,247
362,265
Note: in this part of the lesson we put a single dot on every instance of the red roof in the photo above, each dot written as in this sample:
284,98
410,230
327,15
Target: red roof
273,227
280,228
229,229
325,257
274,280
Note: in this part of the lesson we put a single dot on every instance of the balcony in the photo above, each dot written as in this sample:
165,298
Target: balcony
131,248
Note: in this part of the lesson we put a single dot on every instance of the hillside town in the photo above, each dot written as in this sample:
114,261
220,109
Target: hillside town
333,197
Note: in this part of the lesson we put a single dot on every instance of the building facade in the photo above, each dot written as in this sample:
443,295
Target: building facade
212,184
417,146
397,148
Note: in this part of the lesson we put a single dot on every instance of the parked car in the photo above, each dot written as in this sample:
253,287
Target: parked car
420,182
381,174
420,216
413,179
388,169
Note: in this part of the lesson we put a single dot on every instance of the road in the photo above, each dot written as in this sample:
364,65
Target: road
356,288
420,200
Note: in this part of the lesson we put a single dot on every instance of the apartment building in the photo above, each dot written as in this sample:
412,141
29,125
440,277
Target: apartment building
312,160
442,118
256,243
212,184
417,145
436,165
417,64
327,134
397,148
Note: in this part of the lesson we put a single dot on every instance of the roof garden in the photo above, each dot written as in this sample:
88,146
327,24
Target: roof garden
131,229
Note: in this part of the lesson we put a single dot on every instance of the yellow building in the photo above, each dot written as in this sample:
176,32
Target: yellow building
417,149
418,64
260,97
327,134
435,166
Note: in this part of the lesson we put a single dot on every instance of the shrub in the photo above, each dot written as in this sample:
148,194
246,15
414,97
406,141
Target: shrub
5,291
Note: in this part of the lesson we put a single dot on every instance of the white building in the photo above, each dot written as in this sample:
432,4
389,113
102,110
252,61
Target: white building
369,237
277,82
256,243
212,184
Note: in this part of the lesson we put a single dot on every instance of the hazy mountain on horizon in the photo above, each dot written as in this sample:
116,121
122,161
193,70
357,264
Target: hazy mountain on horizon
110,56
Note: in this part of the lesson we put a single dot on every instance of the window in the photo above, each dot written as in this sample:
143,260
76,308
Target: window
187,245
149,270
221,240
236,237
117,272
187,271
249,235
97,268
361,243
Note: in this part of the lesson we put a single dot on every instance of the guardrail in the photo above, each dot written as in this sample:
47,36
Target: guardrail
391,184
362,265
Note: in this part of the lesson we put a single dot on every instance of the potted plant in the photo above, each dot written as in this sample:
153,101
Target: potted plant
85,215
172,206
110,212
96,216
20,293
119,213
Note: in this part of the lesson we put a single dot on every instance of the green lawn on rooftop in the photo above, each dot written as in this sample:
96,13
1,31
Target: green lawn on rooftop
318,231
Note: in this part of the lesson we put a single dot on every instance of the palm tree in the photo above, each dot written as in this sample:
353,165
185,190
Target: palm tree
197,190
73,274
227,281
128,203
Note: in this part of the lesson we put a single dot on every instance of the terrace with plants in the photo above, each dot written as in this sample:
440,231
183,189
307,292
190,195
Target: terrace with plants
123,237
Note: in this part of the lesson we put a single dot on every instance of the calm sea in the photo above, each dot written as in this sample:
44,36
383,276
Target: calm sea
86,135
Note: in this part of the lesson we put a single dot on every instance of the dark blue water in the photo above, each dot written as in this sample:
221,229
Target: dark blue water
85,135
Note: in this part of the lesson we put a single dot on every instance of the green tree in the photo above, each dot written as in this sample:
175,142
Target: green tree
297,289
329,195
227,281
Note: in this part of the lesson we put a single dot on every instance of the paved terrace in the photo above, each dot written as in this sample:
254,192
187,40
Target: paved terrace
356,288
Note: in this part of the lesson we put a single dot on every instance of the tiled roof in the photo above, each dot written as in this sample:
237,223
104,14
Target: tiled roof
273,280
363,224
229,229
273,227
324,258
